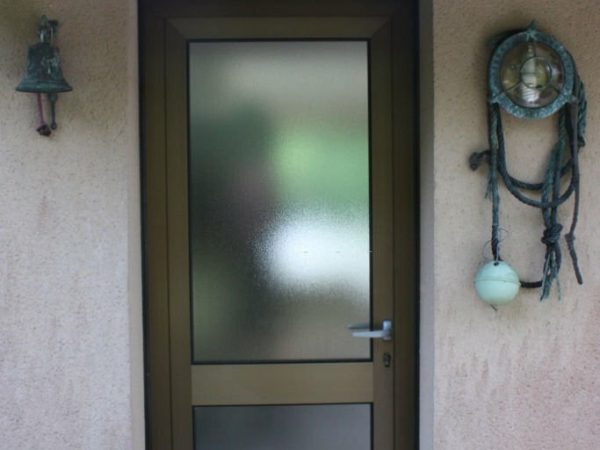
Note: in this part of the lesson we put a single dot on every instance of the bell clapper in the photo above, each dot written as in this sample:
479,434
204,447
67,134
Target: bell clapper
42,128
52,98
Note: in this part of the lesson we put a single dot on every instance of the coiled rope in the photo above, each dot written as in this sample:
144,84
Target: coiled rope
571,138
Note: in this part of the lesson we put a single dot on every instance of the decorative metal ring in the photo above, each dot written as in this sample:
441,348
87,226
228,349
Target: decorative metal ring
498,93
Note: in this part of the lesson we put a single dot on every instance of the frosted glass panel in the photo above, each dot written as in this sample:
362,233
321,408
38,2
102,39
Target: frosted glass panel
306,427
279,200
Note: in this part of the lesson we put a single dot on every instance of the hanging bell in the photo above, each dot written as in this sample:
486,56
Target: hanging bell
44,75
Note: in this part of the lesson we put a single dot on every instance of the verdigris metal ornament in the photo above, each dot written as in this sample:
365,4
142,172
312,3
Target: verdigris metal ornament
43,74
532,76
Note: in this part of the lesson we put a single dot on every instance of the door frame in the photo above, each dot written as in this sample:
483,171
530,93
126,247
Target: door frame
156,26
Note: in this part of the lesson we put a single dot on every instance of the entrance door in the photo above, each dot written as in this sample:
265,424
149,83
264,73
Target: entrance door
270,242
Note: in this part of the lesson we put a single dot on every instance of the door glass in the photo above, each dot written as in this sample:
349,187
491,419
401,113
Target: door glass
302,427
279,200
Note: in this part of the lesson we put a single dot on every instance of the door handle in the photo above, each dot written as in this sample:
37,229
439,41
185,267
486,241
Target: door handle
363,330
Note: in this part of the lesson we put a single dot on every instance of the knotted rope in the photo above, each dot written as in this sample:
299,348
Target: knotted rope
571,132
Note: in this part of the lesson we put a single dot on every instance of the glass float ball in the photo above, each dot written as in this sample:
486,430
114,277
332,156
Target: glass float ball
497,283
531,75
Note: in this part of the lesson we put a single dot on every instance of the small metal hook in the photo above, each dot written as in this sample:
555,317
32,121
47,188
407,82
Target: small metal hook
501,238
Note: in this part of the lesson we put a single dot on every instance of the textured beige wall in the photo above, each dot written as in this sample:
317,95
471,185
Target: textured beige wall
70,318
527,376
70,303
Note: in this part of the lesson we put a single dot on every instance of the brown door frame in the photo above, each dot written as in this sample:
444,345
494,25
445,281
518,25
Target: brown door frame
155,17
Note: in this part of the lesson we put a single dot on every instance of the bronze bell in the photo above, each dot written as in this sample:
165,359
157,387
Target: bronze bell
43,75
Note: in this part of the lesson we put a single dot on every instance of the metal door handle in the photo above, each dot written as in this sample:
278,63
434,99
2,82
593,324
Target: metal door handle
363,330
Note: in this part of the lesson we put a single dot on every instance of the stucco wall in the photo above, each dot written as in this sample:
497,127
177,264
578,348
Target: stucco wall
525,377
70,302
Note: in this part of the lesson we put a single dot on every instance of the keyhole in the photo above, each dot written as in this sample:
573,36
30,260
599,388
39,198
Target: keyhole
387,359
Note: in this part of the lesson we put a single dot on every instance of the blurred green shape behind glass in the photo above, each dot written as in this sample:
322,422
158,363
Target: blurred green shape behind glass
279,199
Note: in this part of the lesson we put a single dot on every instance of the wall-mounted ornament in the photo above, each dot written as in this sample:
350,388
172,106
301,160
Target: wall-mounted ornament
43,74
497,283
532,76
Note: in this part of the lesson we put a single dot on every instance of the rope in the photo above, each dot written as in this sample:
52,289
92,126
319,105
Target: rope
571,137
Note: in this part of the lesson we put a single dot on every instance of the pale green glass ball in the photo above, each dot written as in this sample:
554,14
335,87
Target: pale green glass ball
497,283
